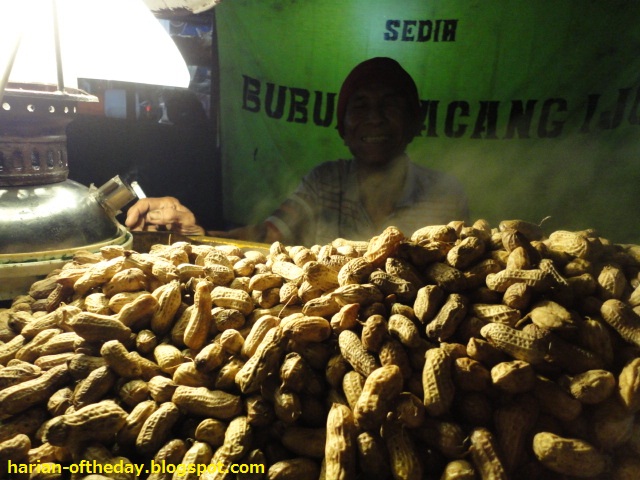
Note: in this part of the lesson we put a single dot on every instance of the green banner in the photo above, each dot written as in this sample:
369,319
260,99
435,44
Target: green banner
534,106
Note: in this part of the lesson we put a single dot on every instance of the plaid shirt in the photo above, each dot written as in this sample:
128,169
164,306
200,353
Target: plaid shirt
326,205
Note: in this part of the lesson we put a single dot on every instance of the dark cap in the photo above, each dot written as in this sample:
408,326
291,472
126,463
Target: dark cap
384,70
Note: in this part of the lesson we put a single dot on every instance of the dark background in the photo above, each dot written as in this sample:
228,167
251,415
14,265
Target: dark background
166,160
178,158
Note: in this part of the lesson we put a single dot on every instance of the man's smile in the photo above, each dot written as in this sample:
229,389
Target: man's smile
375,138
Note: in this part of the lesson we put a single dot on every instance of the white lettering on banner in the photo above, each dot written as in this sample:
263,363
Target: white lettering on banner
484,119
420,30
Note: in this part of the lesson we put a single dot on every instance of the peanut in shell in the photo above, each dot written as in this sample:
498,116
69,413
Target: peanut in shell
629,385
14,450
514,376
404,329
211,430
459,470
98,422
574,244
340,446
568,456
392,352
379,391
354,352
374,332
297,468
133,423
590,387
383,246
404,460
197,329
434,233
373,458
437,381
515,343
465,252
355,270
611,282
156,428
264,361
448,318
95,327
484,453
169,298
20,397
623,319
306,328
346,318
551,316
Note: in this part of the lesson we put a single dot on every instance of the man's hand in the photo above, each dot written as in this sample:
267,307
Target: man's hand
163,213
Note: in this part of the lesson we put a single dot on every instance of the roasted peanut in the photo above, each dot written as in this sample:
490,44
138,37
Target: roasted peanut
437,381
404,329
94,387
197,329
120,360
354,271
403,455
128,433
299,468
383,246
346,318
14,450
515,376
380,390
629,385
306,328
354,352
340,446
169,298
514,342
155,429
623,319
449,316
373,458
484,452
496,313
95,327
207,403
374,332
569,456
493,335
98,422
24,395
250,377
590,387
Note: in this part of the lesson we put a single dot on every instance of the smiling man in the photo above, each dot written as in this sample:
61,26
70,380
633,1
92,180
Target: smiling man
378,115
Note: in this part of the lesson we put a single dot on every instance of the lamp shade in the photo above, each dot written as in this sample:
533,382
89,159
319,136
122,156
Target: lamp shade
96,39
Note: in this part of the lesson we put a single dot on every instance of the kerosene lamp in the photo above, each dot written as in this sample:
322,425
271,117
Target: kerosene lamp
45,46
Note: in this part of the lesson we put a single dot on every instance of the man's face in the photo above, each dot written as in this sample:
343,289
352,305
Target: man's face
377,124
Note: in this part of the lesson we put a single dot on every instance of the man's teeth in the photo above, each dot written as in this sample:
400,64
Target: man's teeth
375,138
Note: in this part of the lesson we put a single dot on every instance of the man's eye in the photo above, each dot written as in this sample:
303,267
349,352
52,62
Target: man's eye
358,105
395,102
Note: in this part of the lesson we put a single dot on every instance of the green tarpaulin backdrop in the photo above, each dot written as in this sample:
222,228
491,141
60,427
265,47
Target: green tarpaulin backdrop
534,106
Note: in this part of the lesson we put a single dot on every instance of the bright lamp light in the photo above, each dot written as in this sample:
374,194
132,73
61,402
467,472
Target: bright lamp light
55,42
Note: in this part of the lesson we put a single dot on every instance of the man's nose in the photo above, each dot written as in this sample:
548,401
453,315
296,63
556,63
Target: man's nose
377,113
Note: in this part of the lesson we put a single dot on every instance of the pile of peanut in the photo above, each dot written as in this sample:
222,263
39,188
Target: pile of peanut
458,352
